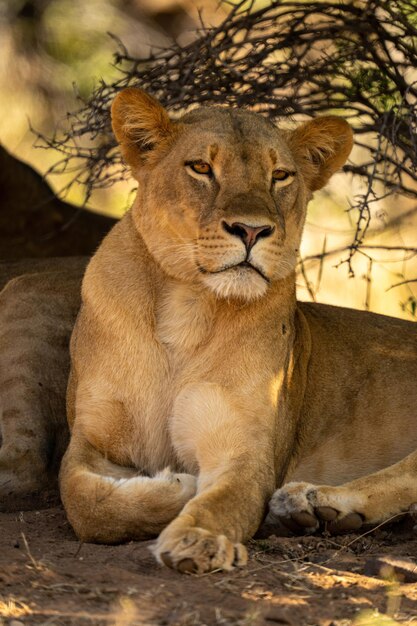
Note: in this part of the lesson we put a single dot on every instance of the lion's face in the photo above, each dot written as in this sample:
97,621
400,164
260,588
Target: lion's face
222,192
224,205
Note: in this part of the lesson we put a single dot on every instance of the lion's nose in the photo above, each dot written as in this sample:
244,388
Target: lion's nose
248,234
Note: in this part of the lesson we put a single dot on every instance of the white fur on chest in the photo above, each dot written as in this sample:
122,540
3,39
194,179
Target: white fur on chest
184,322
184,318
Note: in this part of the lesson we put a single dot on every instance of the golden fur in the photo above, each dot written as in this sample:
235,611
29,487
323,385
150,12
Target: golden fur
38,306
198,384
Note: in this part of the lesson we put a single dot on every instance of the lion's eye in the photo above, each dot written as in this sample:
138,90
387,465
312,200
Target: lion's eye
200,167
280,175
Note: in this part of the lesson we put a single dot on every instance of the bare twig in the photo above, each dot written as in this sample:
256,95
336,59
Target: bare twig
35,563
403,282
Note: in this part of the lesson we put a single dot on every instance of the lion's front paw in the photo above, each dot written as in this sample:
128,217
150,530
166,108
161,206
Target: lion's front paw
190,549
303,508
188,482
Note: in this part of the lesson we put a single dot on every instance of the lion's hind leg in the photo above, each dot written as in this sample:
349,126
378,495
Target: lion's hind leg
378,497
107,503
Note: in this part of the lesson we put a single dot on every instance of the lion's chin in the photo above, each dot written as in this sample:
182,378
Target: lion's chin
237,282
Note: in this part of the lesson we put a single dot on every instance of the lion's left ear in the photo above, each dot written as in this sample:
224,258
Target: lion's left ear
321,146
140,125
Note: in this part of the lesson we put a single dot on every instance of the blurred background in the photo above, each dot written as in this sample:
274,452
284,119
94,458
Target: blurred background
54,51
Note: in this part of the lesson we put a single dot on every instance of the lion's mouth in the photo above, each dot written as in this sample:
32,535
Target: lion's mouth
248,265
244,264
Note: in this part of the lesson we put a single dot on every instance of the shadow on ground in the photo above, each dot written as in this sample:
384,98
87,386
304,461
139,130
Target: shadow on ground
48,578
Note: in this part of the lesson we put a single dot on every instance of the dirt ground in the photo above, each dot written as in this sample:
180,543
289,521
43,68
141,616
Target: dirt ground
48,578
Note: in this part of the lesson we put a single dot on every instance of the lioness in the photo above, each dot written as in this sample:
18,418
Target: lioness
198,384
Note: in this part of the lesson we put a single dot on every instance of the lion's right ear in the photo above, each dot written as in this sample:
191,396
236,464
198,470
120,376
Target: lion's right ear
140,124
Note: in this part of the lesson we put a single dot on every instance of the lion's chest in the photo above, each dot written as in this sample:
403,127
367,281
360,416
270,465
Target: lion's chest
184,321
153,368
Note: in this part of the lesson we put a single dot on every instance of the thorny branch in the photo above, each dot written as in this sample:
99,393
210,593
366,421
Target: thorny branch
289,60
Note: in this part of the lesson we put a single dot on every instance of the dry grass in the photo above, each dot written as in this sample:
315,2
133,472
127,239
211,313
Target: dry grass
12,607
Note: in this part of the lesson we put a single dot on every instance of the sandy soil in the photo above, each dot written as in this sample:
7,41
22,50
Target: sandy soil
48,578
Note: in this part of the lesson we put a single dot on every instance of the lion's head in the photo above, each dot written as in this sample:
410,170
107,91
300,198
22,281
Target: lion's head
223,192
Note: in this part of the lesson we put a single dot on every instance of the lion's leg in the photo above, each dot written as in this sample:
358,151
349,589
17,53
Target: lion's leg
368,500
36,317
108,503
236,476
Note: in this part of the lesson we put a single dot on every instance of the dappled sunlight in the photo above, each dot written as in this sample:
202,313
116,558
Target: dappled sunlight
304,585
372,617
11,607
123,612
329,579
290,581
269,596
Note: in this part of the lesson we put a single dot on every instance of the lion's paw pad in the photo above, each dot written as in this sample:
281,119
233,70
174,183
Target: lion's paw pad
197,551
304,508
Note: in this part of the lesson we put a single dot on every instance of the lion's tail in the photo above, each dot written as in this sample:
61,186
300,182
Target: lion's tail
105,504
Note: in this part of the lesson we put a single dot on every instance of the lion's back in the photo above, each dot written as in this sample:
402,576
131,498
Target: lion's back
361,392
37,312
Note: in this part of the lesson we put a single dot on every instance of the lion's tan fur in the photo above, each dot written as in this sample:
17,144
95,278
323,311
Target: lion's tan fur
37,309
198,386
